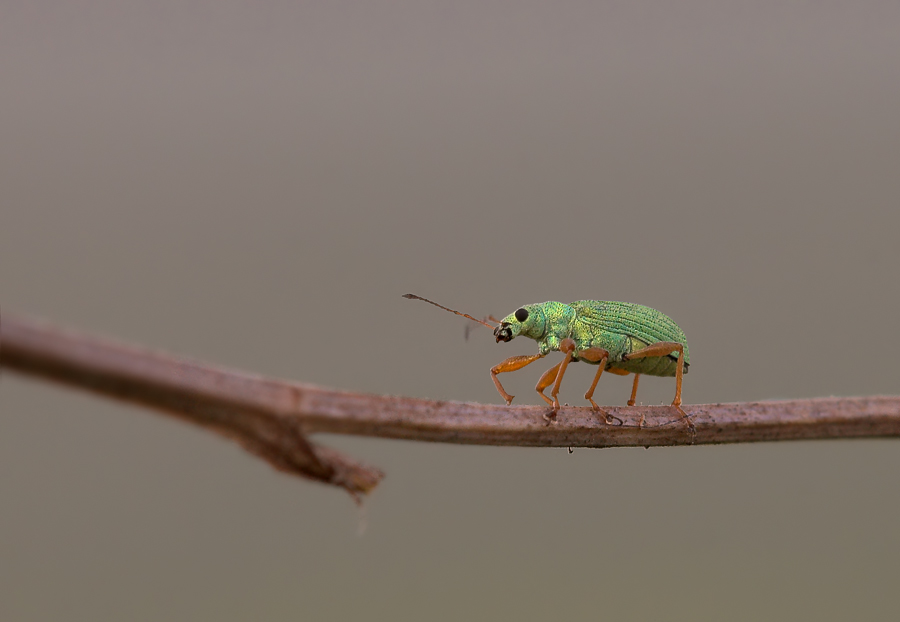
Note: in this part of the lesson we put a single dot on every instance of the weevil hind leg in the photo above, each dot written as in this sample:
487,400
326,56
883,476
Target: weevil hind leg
513,363
665,348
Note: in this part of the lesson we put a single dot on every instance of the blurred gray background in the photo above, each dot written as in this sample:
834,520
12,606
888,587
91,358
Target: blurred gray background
255,184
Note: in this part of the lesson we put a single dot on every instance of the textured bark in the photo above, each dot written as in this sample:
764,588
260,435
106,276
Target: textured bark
272,418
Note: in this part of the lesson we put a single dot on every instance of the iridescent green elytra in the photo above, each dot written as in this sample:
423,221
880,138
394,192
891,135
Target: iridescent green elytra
618,337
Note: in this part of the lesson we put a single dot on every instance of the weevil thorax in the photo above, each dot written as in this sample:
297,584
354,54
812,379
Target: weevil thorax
537,321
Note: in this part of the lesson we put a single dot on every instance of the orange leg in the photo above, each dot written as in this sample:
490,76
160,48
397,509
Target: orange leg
594,354
568,346
634,389
513,363
622,372
664,348
546,380
633,395
617,371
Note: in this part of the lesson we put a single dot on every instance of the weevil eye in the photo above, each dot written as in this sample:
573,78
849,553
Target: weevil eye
522,315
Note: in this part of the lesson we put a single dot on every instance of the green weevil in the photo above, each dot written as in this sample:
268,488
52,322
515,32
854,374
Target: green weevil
619,337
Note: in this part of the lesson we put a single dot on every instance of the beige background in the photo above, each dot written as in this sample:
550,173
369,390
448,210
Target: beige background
257,183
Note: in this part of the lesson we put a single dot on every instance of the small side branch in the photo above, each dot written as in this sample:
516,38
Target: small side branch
259,414
272,418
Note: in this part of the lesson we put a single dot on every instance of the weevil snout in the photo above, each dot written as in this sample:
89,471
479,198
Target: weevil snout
503,332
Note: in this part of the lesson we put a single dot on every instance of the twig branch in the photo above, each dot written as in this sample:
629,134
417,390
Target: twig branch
271,418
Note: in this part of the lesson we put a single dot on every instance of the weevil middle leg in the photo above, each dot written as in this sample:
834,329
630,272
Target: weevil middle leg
548,378
599,356
622,372
634,389
567,345
618,372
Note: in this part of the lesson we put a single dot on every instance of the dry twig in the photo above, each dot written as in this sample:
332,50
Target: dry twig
271,418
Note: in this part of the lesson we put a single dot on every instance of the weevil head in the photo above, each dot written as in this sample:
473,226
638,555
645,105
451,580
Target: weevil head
528,321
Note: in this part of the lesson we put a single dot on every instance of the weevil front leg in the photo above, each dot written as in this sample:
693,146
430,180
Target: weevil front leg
513,363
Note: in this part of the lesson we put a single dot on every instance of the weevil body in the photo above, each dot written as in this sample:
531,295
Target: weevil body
619,337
